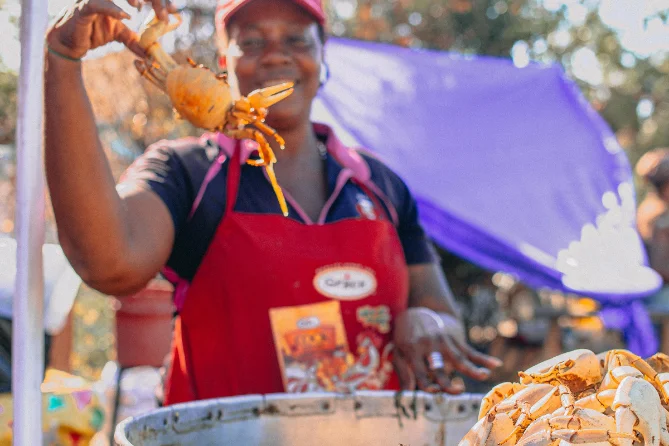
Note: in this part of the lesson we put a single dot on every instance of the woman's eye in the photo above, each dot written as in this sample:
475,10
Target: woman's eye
251,44
297,41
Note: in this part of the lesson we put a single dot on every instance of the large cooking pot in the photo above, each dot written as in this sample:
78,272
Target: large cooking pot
365,418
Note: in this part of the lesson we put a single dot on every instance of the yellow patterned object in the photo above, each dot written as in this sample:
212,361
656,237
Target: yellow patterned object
72,412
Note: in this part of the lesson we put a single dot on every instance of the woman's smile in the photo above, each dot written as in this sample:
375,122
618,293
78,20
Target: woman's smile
277,81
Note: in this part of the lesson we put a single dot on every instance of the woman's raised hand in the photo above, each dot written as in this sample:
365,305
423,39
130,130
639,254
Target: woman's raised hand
89,24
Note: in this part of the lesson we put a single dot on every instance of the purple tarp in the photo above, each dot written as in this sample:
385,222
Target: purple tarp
510,166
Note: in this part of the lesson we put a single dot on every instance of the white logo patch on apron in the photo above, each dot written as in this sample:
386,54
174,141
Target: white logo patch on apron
345,282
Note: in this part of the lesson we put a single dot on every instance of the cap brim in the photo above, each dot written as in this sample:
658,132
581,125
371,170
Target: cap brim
316,13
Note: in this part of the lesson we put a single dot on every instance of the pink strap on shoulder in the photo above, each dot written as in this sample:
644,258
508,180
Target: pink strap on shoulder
225,144
211,173
345,175
228,146
181,286
350,159
226,150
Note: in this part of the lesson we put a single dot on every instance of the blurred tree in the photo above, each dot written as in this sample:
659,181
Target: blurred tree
629,90
8,105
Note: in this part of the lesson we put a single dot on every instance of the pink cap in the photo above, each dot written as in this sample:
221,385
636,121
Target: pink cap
226,8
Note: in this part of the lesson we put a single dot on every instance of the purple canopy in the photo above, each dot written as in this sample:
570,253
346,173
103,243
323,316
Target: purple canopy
510,167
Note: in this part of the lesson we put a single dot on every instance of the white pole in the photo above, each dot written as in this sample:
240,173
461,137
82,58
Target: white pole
28,313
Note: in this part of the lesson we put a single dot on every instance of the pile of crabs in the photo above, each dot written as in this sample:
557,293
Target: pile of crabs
579,397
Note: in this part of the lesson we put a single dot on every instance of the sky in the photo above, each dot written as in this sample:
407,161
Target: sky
626,16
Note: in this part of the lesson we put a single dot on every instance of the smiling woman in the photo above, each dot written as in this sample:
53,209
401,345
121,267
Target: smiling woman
290,32
330,285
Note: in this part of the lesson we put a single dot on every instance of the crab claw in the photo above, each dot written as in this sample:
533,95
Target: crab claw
264,97
153,28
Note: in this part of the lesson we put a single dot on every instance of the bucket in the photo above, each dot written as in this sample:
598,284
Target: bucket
364,418
144,325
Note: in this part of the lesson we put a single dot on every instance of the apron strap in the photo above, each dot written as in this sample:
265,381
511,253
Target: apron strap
182,285
232,186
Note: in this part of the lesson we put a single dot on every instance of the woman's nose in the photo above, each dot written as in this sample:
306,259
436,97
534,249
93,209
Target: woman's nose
275,53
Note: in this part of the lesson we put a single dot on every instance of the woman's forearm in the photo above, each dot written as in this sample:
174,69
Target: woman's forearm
429,289
88,210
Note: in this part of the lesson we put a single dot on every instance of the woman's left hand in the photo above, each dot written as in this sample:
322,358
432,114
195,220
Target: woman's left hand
429,346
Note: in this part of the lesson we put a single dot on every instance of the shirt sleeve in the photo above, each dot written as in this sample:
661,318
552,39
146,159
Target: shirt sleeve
173,170
417,246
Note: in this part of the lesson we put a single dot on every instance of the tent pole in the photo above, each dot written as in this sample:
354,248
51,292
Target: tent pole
28,320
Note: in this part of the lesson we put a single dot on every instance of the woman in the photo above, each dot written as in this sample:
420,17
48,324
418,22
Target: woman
266,303
653,219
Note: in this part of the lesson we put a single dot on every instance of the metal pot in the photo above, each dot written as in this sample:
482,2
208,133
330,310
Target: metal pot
364,418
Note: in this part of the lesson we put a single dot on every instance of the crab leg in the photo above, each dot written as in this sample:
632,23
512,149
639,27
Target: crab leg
659,362
267,159
624,357
529,396
497,394
546,405
614,377
599,401
637,407
553,437
266,153
488,430
151,73
269,131
545,376
151,31
580,419
277,189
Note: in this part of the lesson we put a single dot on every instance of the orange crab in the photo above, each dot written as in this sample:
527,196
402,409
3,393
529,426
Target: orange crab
205,99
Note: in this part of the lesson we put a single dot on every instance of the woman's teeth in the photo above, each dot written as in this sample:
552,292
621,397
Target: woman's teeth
274,82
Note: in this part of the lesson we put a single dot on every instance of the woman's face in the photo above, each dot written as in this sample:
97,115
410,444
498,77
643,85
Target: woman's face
274,41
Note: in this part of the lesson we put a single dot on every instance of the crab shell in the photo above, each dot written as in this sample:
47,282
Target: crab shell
578,370
199,96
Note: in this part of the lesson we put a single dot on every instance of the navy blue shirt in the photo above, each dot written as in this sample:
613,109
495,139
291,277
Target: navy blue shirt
175,171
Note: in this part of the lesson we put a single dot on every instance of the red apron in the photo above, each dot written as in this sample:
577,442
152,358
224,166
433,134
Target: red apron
282,306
